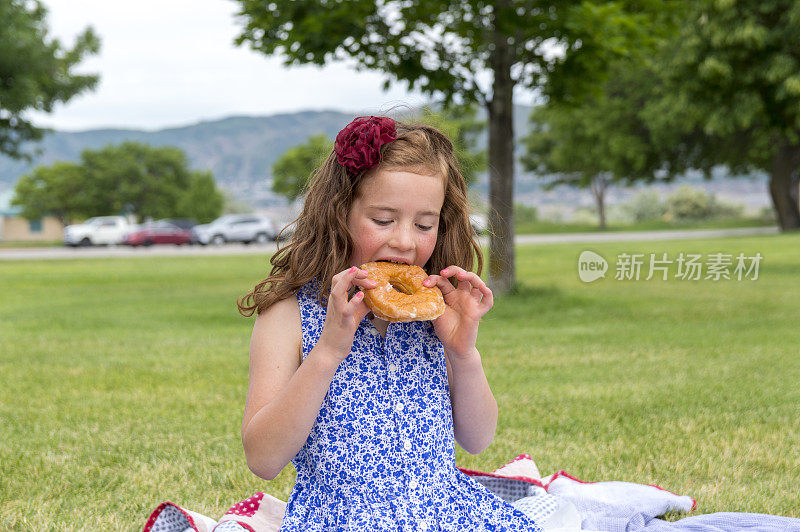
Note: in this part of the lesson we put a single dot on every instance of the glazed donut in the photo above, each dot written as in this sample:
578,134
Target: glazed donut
400,295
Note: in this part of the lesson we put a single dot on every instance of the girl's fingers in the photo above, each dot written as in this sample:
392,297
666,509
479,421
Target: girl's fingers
488,298
469,282
343,281
437,280
476,293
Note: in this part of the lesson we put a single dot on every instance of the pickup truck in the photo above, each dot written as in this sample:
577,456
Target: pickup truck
109,230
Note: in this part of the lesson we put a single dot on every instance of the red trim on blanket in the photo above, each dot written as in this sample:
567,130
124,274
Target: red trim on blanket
537,482
563,473
150,522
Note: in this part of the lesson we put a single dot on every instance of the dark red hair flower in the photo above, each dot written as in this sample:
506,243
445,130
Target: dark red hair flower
358,145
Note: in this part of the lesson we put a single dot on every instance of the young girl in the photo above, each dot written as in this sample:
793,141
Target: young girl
367,411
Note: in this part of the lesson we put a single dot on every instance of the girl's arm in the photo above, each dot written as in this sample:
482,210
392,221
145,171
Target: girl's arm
284,395
474,406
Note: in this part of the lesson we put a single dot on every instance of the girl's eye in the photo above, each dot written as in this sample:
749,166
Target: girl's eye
382,222
425,227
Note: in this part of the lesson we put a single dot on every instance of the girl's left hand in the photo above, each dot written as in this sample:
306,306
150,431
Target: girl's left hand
457,328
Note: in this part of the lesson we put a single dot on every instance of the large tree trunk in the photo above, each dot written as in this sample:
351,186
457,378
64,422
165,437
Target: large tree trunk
502,274
599,185
785,163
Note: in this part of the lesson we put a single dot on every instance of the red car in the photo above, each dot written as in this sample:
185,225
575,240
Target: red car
159,232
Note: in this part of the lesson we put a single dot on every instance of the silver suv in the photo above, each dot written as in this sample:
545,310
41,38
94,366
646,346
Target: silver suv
245,228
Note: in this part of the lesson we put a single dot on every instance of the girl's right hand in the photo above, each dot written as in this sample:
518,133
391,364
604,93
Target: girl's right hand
343,315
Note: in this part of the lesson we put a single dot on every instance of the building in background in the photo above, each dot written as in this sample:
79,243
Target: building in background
15,228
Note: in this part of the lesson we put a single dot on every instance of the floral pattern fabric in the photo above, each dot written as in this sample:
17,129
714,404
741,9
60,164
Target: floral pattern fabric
381,456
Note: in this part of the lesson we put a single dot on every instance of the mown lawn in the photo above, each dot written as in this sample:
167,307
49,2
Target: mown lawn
124,381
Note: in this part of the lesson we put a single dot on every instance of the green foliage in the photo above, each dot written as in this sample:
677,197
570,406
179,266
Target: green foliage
605,134
460,125
35,72
292,171
57,190
201,200
732,73
525,214
130,177
645,205
442,47
688,203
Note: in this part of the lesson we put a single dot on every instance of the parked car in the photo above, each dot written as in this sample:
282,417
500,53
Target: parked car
158,232
245,228
183,223
98,230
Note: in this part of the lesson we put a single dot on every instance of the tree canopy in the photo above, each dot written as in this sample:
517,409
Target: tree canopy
35,72
600,140
730,92
130,178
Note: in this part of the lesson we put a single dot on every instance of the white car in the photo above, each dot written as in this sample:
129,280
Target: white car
245,228
108,230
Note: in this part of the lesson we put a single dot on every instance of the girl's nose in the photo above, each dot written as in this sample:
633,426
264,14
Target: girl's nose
402,238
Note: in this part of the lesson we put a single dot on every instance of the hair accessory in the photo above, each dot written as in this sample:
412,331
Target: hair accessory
358,145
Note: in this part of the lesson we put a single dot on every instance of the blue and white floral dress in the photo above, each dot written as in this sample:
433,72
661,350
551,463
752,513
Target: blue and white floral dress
381,455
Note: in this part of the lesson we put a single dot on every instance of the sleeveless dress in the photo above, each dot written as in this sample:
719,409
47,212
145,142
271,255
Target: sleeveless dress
381,456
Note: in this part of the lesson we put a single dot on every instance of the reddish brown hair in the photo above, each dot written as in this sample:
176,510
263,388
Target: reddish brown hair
321,245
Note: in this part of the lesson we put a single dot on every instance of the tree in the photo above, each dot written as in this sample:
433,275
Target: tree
134,178
56,190
137,178
601,140
292,170
35,72
729,92
201,200
443,47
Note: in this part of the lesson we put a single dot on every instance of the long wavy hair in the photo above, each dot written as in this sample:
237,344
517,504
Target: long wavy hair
322,244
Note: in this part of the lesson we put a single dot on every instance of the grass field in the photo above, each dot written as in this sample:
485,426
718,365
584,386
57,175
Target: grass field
124,381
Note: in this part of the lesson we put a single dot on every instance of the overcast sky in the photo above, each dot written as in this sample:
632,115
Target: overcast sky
172,63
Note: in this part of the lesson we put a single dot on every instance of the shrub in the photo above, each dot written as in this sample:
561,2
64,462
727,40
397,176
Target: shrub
524,214
645,205
689,203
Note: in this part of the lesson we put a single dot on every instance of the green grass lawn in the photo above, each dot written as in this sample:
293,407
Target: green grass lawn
124,382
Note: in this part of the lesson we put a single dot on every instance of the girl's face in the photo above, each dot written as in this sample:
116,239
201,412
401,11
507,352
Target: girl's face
395,216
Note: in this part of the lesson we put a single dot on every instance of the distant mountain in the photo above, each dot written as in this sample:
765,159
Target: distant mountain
239,151
236,149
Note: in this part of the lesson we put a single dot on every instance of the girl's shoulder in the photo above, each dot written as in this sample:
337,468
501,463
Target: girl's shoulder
280,323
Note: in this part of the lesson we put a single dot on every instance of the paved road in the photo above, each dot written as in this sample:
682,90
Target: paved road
253,249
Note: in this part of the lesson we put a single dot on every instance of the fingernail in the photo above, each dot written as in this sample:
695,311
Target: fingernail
352,269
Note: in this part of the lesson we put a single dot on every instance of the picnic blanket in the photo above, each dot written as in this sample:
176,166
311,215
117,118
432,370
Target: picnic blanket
559,502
